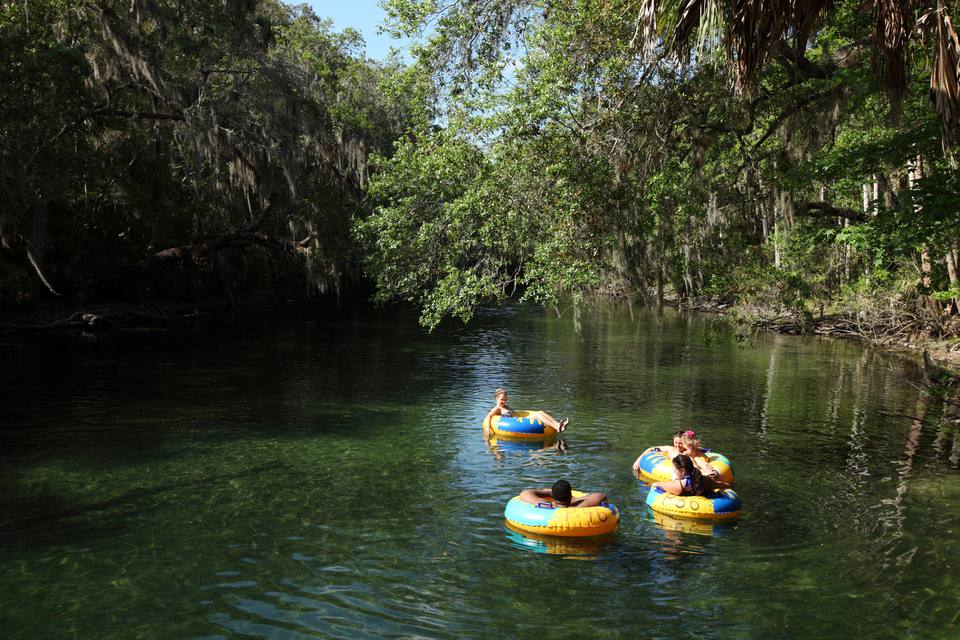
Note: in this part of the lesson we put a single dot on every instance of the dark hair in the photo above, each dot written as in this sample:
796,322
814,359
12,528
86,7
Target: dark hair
677,434
685,464
562,492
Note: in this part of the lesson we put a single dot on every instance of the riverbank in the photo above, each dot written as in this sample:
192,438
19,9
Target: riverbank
908,335
109,315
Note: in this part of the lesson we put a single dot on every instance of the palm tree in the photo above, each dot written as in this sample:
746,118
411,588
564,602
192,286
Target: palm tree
753,32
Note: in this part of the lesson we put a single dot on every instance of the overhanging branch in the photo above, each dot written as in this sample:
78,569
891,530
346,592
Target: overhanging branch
826,210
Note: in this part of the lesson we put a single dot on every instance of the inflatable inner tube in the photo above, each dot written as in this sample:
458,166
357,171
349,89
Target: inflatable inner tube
548,519
655,466
522,424
720,506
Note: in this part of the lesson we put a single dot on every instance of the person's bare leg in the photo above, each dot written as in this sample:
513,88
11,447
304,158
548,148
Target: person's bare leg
550,421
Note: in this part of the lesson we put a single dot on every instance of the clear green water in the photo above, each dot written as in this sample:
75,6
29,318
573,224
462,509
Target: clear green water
326,477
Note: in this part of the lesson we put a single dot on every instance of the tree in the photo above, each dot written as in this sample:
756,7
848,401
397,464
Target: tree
140,136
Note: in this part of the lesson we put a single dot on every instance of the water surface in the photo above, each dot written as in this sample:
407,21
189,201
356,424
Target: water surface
291,477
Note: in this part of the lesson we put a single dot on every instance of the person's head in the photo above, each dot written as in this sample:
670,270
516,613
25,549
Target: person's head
678,441
500,395
690,441
562,492
686,469
683,464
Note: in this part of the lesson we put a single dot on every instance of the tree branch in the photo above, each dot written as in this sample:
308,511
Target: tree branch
805,69
203,248
826,210
43,278
787,112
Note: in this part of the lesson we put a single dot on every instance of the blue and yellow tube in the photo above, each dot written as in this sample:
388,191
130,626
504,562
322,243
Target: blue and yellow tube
655,466
548,519
721,506
525,425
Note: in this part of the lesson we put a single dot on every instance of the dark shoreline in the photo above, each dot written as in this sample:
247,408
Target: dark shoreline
55,316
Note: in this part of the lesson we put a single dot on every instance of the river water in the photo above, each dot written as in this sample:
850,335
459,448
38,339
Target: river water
326,477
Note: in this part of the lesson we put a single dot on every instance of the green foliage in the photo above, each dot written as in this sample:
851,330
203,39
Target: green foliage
541,150
130,128
634,173
787,292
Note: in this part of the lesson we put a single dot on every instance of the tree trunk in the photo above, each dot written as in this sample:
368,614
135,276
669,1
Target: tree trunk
776,243
763,222
926,265
660,281
846,256
951,260
687,273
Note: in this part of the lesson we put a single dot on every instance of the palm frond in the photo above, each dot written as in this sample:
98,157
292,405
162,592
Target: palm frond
945,77
890,46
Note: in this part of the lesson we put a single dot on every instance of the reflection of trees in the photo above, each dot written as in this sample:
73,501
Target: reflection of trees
948,430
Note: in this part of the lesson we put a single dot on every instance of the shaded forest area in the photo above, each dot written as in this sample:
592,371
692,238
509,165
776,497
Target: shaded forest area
793,160
166,150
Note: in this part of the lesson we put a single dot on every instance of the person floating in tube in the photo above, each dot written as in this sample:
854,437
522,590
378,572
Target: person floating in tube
504,410
561,493
690,482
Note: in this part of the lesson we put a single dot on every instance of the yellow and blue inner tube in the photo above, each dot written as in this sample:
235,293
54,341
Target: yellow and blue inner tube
522,424
720,506
548,519
656,466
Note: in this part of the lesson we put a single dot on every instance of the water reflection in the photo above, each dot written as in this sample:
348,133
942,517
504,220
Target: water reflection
501,447
686,525
581,548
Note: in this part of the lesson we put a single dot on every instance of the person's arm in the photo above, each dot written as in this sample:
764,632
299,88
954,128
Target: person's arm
590,500
703,463
536,496
636,466
714,484
670,486
487,431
